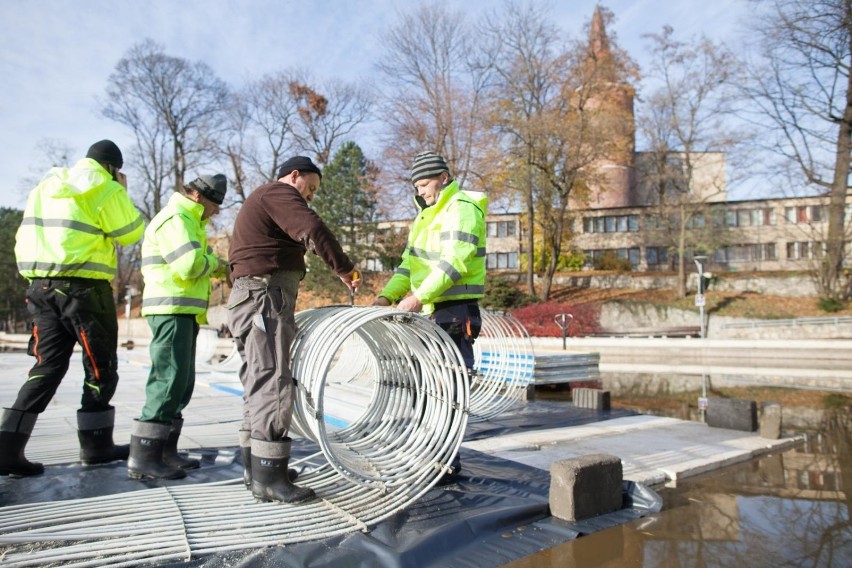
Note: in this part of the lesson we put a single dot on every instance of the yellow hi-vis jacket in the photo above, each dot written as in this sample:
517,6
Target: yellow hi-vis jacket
445,256
72,220
177,262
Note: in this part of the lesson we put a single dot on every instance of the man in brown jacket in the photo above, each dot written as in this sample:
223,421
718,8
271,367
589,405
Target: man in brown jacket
272,232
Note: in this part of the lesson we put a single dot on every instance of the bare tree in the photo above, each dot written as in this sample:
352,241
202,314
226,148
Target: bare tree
802,88
435,89
281,114
329,115
261,122
686,124
174,108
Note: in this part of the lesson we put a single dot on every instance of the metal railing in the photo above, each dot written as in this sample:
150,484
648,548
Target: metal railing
789,322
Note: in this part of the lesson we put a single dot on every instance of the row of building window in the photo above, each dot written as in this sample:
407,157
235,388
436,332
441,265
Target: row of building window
611,224
656,256
755,217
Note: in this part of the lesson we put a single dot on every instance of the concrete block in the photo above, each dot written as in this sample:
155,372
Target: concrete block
595,399
732,414
585,486
770,420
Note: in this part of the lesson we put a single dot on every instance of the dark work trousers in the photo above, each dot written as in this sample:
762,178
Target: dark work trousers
172,377
261,315
67,311
462,321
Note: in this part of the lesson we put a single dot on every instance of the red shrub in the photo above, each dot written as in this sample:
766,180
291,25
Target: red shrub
539,319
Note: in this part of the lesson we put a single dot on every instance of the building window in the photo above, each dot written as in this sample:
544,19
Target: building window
805,214
501,229
657,255
749,217
745,253
501,261
611,224
804,250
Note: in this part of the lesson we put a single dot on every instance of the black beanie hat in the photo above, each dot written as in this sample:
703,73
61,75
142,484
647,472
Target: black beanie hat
106,152
301,163
212,187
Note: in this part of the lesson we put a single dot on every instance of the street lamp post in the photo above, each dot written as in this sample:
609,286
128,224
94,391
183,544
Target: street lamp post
699,301
699,297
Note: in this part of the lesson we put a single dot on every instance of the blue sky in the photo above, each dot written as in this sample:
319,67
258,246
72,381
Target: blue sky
56,55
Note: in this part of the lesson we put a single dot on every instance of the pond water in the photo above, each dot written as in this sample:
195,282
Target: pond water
785,509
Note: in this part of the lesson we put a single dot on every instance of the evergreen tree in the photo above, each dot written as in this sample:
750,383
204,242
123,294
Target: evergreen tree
13,310
347,203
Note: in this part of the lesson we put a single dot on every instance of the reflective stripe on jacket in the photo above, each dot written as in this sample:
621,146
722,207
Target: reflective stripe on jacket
72,220
445,256
177,263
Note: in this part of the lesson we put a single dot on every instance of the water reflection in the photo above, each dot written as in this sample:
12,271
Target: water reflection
785,509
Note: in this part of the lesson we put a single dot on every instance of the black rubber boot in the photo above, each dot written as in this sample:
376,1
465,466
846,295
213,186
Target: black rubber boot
15,430
245,457
146,452
94,430
269,473
171,456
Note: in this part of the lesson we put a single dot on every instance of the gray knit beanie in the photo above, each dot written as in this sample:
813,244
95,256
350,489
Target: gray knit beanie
428,165
212,187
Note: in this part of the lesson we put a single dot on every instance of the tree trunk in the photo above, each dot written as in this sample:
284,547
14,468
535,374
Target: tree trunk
681,260
831,267
530,236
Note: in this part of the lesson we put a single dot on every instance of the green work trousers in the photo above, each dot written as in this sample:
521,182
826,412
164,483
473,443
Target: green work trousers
172,376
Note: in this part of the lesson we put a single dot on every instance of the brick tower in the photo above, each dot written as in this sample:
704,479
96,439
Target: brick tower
615,184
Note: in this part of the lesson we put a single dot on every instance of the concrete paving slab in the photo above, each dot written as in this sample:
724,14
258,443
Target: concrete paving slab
653,449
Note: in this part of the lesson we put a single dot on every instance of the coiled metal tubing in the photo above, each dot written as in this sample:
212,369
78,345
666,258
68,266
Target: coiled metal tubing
505,366
413,405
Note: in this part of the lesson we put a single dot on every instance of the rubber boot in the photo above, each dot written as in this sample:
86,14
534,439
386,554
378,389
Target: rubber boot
147,443
15,429
171,456
269,477
94,430
245,456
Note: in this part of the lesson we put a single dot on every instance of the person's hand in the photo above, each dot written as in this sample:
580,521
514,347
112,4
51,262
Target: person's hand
410,304
352,280
381,301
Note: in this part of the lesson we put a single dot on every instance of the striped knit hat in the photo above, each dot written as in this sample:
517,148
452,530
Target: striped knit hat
428,165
